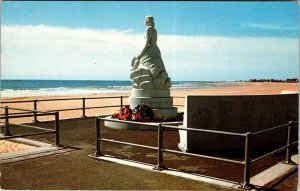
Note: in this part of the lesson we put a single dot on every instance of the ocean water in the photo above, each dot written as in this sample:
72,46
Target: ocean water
24,88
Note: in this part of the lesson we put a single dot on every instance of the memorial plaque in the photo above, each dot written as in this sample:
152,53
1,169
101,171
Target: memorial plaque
202,118
238,113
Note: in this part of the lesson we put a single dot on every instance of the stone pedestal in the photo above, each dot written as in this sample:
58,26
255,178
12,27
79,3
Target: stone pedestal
159,100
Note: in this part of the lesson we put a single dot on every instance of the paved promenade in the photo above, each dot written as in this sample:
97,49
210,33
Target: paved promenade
75,170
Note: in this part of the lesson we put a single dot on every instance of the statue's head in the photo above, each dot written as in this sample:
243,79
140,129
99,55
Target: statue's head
149,21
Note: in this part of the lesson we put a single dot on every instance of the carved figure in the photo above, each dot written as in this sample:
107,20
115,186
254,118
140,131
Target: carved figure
148,70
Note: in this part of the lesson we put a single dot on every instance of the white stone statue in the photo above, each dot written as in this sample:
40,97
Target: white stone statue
147,68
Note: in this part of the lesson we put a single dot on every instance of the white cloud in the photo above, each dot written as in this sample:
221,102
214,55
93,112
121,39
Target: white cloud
45,52
267,26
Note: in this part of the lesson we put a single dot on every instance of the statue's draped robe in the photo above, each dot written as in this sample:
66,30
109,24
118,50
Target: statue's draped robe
149,71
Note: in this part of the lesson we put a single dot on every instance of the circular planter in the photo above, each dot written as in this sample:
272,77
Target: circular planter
127,126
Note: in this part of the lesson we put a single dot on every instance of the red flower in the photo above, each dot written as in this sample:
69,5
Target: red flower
125,113
142,113
158,115
136,117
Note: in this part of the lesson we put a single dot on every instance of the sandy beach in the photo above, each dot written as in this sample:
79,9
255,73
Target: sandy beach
86,141
9,146
246,88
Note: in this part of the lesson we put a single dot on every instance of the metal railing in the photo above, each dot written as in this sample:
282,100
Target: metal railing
247,162
83,100
29,113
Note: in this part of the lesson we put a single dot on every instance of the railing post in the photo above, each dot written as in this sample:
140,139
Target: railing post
7,133
121,101
246,184
83,107
98,142
160,166
57,141
35,108
288,159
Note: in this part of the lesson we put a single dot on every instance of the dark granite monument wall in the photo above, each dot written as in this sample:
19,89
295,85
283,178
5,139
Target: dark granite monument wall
241,114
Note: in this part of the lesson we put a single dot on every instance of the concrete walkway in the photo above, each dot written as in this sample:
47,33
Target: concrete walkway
268,177
75,170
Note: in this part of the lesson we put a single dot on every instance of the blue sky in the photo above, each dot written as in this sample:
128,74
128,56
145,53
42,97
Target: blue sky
209,40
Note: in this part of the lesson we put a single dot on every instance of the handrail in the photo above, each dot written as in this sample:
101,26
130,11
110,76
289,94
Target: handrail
21,101
102,107
270,154
18,113
206,130
129,144
174,151
28,115
32,111
7,116
272,128
110,97
247,162
70,109
62,99
160,147
83,107
29,126
204,156
58,99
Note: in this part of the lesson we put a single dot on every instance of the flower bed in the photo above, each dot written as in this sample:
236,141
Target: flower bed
141,113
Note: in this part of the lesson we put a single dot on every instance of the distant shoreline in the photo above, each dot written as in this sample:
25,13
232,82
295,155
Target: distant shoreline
218,89
33,88
291,80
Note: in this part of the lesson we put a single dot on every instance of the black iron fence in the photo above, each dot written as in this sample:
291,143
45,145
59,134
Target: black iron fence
247,162
28,113
82,99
